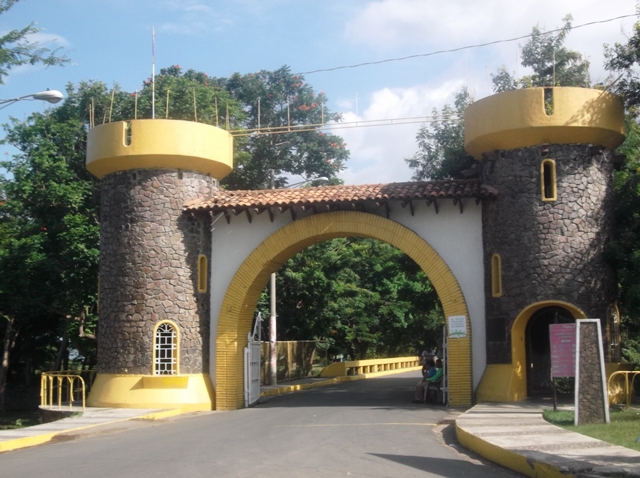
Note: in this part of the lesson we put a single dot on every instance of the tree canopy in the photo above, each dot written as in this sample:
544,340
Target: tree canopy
364,297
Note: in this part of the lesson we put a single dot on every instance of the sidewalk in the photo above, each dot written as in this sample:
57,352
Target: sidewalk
516,436
38,434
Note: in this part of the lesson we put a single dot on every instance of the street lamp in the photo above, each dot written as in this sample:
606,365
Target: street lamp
273,356
50,96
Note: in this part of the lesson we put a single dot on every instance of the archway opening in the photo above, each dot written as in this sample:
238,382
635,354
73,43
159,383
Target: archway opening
348,298
539,382
239,303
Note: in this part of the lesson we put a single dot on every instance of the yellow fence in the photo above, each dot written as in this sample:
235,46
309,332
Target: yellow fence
628,386
58,389
359,367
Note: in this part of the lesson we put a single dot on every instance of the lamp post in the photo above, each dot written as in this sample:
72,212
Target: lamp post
273,356
50,96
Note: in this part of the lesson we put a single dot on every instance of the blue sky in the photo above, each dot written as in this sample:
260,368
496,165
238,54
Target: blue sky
110,40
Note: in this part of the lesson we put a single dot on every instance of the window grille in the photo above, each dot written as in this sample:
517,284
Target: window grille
166,360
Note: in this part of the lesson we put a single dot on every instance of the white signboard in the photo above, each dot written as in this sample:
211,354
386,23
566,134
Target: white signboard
457,326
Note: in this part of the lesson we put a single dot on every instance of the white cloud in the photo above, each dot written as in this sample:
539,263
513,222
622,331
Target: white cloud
193,17
392,23
378,152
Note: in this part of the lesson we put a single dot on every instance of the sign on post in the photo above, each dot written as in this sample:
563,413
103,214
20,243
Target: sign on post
457,326
563,350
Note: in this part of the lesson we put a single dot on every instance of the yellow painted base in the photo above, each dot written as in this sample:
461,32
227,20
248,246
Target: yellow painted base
189,393
500,383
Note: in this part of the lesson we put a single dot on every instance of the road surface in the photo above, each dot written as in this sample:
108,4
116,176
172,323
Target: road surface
366,428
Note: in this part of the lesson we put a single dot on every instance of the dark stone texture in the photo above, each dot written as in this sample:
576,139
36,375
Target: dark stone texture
549,250
590,386
149,252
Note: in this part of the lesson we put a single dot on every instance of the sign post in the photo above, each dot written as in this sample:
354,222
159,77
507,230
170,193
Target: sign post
562,338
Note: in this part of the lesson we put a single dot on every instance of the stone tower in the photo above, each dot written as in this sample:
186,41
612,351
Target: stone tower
154,280
548,152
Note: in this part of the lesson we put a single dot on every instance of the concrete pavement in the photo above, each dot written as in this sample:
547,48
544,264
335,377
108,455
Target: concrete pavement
92,417
516,436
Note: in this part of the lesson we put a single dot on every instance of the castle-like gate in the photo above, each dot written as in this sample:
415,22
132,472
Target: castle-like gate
183,262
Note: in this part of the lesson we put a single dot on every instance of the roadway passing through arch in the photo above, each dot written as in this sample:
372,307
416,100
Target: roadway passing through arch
363,428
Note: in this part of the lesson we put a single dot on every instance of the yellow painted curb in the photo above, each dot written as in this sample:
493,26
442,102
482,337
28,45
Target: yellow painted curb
331,381
26,442
508,458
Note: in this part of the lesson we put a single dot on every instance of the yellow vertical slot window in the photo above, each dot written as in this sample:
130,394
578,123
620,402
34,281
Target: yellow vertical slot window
202,273
496,276
548,180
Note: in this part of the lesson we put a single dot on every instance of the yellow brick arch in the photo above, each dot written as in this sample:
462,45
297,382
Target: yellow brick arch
239,303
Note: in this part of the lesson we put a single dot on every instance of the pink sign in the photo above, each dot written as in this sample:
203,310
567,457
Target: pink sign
563,349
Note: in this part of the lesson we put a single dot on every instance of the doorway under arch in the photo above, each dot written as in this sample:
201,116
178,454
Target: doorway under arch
539,349
241,297
519,338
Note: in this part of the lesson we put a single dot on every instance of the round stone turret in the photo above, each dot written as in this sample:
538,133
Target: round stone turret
548,154
153,336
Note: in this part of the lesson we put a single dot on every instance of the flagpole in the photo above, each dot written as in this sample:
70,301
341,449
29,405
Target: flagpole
153,73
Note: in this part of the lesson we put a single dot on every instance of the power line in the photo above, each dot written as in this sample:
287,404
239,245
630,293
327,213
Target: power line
468,47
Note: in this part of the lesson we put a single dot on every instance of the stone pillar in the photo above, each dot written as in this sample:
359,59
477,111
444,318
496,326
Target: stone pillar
149,254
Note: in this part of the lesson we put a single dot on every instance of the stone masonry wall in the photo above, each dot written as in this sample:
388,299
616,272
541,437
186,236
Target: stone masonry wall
590,391
148,268
549,250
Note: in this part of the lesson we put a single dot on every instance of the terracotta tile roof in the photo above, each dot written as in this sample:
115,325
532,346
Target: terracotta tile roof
327,195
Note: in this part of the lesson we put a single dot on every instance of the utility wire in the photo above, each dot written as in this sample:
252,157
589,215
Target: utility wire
468,47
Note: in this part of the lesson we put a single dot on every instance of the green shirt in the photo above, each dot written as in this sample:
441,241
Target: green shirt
437,376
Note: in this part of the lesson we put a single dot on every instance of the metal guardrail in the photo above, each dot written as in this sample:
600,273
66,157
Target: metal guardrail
359,367
627,389
60,388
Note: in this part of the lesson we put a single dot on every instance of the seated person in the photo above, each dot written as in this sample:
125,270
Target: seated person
428,380
428,369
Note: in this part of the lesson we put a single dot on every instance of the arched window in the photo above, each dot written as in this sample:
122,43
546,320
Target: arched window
165,351
496,276
548,179
202,273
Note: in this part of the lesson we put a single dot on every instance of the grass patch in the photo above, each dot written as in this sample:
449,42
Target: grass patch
624,429
13,420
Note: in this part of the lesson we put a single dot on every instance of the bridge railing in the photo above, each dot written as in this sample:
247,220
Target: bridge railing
57,389
360,367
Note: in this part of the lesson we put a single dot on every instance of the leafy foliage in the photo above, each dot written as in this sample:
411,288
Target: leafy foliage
280,99
17,50
552,63
441,153
364,297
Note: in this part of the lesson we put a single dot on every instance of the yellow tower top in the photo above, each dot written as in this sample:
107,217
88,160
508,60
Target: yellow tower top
146,144
518,119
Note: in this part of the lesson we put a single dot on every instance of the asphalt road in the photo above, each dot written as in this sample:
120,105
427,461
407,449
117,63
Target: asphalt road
364,428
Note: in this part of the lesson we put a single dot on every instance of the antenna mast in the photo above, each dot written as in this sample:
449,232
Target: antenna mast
153,73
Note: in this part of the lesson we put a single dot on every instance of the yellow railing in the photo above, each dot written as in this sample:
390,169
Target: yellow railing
628,389
359,367
58,388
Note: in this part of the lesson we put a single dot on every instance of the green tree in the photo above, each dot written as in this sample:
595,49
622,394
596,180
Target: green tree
441,153
553,64
623,62
279,99
16,49
364,297
49,211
